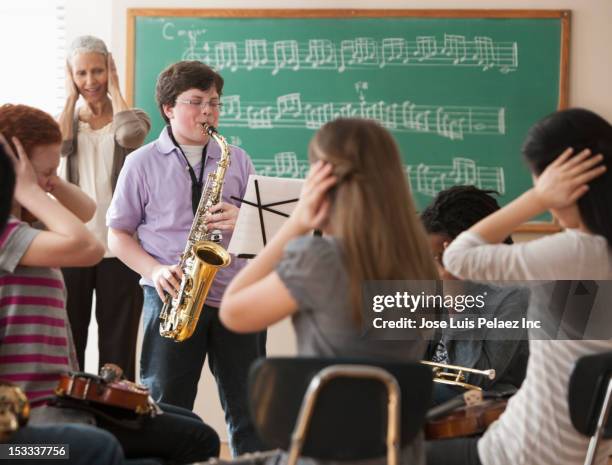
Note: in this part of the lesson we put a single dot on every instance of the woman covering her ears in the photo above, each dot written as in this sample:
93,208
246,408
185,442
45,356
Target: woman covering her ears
96,138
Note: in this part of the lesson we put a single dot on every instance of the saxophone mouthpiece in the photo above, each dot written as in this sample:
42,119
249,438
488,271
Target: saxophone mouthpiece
208,129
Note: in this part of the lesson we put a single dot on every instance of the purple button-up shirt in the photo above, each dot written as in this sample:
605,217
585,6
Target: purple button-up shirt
153,198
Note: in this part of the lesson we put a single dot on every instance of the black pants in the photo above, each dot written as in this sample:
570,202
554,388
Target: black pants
118,307
462,451
176,437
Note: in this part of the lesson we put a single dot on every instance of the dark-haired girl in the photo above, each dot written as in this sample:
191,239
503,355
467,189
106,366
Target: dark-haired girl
570,156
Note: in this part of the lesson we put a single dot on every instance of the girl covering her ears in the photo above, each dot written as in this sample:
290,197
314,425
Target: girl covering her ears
357,193
576,188
88,445
36,342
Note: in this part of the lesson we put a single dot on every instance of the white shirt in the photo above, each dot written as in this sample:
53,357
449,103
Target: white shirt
95,163
536,428
193,154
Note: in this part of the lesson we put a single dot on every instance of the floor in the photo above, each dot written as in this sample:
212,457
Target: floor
225,453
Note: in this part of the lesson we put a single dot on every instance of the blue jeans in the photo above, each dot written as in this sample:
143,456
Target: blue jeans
171,370
88,445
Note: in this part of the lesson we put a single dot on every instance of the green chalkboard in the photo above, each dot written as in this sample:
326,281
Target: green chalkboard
457,89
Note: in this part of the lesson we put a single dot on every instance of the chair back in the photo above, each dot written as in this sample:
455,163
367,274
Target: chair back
349,420
587,389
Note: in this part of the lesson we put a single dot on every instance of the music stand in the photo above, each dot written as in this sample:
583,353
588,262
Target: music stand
267,203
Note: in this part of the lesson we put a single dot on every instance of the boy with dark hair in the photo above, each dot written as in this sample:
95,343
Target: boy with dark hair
453,211
156,196
457,208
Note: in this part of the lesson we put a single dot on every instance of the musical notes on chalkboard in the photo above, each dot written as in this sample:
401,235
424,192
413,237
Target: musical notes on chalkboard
456,92
424,179
358,53
431,179
282,165
289,111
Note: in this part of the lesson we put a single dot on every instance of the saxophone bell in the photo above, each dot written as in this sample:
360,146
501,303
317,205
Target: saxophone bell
212,254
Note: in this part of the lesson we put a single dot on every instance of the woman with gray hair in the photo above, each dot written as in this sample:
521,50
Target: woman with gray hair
97,137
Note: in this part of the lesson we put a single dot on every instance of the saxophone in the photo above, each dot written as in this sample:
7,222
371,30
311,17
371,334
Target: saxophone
201,259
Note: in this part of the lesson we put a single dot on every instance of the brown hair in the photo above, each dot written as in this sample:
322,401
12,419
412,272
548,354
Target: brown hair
372,211
33,127
182,76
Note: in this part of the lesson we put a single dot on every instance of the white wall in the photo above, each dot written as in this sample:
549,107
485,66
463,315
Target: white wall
590,78
92,17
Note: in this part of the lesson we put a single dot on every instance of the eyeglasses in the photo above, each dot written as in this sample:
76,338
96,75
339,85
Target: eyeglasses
202,105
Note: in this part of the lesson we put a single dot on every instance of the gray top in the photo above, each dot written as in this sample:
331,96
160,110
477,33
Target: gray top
313,270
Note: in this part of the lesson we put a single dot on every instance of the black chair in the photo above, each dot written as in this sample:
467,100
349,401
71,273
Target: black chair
590,398
338,409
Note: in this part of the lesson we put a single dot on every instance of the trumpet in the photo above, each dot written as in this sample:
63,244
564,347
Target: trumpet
454,375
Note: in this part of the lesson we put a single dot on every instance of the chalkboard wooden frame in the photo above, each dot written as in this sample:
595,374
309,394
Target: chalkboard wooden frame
563,15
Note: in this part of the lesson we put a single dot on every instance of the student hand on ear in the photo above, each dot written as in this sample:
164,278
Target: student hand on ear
72,92
312,209
566,179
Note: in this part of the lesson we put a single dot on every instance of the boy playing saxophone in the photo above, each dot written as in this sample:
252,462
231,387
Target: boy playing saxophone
157,194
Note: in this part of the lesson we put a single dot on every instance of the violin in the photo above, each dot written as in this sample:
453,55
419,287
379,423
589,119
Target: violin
108,389
466,415
466,421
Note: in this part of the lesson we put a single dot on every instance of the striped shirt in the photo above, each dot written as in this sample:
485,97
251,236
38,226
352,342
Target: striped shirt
35,340
536,428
